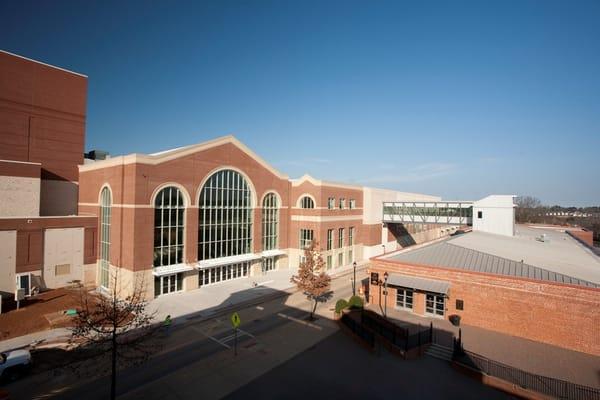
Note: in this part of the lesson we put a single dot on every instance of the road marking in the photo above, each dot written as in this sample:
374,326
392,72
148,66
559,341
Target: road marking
211,337
300,321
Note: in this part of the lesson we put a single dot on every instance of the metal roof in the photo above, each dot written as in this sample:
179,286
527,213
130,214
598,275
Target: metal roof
411,282
449,255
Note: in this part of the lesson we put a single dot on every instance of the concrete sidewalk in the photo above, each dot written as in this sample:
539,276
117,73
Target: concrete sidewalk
535,357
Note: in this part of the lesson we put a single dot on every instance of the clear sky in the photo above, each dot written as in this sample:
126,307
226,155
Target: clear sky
459,99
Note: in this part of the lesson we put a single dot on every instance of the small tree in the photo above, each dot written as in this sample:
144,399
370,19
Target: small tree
312,279
116,327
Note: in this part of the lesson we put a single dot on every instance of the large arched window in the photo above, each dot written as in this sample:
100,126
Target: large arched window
307,202
169,221
225,216
105,212
270,221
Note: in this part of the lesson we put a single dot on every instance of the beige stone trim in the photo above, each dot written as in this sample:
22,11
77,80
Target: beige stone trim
317,182
318,218
169,155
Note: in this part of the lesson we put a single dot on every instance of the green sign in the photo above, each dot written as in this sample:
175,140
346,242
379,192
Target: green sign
235,320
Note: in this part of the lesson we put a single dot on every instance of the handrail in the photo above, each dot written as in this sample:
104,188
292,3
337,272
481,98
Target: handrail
542,384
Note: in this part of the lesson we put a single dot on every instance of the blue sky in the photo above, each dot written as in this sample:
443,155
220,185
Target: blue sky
459,99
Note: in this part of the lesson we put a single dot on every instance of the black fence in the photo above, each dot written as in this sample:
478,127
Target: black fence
357,328
397,336
542,384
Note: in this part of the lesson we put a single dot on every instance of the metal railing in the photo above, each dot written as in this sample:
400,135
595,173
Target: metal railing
357,328
527,380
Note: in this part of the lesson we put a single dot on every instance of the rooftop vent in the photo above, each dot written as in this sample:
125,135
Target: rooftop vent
97,155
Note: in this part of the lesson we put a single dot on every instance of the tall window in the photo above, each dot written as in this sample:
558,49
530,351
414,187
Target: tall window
307,202
270,221
306,238
352,204
351,236
169,220
331,203
342,203
224,216
341,238
329,239
105,211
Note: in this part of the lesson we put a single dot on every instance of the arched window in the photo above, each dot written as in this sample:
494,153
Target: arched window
307,202
270,221
225,216
105,211
169,221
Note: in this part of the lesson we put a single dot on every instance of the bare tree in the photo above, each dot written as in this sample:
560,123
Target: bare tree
528,208
312,278
114,326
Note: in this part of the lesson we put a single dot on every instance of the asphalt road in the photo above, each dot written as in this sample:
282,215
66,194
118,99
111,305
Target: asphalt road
195,345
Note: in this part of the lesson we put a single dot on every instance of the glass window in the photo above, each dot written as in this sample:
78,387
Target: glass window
224,216
105,214
169,220
351,236
168,284
306,238
329,239
404,298
270,222
307,202
331,203
208,276
340,238
434,304
340,259
352,204
342,203
329,261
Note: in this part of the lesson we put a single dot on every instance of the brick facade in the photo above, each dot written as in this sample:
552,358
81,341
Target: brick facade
562,315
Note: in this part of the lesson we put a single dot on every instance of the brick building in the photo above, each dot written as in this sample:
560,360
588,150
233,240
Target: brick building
207,213
43,243
541,285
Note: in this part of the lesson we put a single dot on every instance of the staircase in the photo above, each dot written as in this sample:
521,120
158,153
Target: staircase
439,352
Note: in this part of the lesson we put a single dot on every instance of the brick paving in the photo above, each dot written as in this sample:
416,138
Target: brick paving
535,357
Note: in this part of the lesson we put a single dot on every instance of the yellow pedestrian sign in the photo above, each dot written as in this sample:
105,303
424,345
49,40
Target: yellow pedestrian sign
235,320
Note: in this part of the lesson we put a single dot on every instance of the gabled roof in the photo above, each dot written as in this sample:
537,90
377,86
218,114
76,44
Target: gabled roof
168,155
318,182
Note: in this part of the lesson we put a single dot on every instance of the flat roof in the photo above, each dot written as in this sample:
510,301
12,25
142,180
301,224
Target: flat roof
559,258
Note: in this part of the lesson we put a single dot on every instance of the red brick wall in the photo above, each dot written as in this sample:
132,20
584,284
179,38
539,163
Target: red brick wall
42,115
562,315
585,236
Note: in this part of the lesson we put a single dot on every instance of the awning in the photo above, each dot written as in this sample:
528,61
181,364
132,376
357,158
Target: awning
215,262
171,269
426,285
272,253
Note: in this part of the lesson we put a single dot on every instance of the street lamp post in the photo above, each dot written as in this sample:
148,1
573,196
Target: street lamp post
354,281
385,292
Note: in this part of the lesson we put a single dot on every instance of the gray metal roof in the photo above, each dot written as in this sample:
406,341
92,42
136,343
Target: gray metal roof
449,255
411,282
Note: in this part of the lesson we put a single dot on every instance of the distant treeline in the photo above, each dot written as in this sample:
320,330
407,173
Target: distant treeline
530,210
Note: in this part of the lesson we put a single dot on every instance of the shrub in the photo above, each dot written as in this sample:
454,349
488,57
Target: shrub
340,305
355,302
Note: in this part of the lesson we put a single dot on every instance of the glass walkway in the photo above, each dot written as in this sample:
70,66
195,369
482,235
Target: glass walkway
440,212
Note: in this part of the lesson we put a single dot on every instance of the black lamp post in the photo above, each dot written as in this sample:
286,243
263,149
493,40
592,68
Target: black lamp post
354,281
385,292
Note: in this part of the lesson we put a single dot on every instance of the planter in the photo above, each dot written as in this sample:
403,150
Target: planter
454,320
